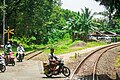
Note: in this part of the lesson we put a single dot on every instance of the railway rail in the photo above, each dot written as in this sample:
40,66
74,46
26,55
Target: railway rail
34,53
97,54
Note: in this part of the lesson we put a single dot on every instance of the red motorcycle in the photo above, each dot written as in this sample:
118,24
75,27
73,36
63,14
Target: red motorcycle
10,58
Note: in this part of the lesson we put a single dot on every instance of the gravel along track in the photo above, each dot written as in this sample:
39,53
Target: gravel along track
105,66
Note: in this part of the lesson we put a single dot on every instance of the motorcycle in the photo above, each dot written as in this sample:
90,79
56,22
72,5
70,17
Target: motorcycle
2,64
20,56
56,68
10,59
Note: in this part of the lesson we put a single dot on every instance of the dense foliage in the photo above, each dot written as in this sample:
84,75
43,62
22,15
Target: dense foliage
44,21
113,14
81,25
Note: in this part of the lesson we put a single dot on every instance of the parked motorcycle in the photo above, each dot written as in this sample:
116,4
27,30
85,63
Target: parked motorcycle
9,59
2,64
56,68
20,56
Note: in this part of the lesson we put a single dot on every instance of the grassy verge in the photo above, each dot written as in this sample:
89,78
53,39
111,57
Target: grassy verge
118,59
65,46
60,47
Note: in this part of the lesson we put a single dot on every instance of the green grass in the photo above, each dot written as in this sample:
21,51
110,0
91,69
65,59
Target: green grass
65,46
61,47
118,59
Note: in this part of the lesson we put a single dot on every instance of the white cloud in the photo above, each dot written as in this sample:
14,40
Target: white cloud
76,5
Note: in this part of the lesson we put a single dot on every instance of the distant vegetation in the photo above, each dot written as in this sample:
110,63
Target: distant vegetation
44,22
65,46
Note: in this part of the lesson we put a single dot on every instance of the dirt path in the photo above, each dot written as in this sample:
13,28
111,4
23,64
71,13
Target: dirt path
66,57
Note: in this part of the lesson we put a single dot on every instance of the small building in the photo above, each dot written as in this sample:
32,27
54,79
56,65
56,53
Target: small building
103,36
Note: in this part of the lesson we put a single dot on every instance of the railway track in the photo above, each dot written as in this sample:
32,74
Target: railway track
92,59
34,53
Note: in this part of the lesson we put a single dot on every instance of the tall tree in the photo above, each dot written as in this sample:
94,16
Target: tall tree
113,6
80,25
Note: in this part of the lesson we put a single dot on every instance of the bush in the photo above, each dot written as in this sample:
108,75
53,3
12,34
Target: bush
64,47
118,39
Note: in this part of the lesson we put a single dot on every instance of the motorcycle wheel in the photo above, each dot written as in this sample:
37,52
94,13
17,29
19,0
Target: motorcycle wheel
20,60
13,63
3,68
66,71
6,63
47,73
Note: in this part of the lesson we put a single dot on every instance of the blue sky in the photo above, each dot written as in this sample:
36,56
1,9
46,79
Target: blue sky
76,5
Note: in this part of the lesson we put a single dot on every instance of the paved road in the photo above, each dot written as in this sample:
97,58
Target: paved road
26,70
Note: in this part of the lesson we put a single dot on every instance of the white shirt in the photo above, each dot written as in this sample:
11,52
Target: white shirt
20,49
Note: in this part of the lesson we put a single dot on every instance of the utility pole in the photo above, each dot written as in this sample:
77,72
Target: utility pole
3,22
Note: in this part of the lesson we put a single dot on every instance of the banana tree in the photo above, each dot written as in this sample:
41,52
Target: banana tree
86,23
80,25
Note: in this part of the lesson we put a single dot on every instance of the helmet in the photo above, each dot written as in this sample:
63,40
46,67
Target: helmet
9,46
8,42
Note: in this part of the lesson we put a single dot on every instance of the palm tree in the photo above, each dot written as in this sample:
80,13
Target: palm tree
80,25
86,23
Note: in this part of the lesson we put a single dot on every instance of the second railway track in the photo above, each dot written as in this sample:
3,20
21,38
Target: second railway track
89,64
32,54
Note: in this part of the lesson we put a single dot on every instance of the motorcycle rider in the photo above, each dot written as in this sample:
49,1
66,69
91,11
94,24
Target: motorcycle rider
19,49
55,66
51,55
8,48
52,59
